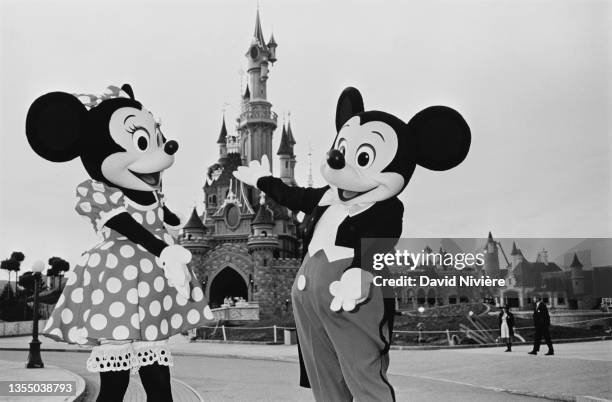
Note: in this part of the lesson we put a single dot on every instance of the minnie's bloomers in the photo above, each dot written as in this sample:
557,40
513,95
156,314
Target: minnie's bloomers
117,298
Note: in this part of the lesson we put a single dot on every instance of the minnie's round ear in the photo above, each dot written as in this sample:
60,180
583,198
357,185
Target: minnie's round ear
349,104
442,137
54,125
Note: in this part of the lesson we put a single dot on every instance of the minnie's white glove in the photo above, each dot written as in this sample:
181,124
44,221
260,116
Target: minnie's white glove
174,260
352,289
255,171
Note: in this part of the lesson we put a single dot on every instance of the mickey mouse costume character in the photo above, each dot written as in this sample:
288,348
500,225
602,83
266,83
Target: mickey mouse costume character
344,324
133,290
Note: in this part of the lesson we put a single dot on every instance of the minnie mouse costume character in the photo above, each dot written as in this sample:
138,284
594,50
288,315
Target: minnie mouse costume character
133,290
344,324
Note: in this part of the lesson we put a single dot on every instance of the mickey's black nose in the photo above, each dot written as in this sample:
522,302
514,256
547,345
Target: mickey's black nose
171,147
335,159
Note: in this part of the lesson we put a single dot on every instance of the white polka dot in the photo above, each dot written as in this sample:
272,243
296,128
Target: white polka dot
113,285
208,314
168,239
107,245
86,278
126,251
85,206
143,289
130,272
150,217
142,248
97,186
193,316
99,198
146,265
82,190
154,308
151,332
197,294
111,261
77,295
49,324
114,198
135,321
163,327
301,282
94,260
132,296
70,278
97,296
137,217
158,283
73,334
101,276
141,313
176,321
160,214
60,301
98,322
180,299
83,259
167,302
116,309
121,332
86,315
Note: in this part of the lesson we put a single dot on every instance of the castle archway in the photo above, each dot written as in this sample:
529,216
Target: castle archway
227,283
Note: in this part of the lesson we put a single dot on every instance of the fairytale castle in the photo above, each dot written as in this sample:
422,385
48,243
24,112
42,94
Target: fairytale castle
245,245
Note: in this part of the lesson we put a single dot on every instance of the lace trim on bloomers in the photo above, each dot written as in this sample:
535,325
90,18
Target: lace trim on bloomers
128,356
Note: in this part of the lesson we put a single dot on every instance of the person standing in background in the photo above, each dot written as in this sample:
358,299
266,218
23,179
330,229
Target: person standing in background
506,327
541,322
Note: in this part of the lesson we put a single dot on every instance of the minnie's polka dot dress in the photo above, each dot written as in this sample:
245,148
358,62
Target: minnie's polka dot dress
117,296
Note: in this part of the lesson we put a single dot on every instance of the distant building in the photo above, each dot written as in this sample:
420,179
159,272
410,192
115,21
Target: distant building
561,287
245,245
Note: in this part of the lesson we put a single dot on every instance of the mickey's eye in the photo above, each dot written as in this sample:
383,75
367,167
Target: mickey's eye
365,155
141,139
342,146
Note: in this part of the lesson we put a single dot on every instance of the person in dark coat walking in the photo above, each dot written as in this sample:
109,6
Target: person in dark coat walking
541,322
506,327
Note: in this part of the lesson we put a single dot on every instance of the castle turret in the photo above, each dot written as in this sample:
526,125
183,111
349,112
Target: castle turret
517,255
287,157
257,121
194,235
577,276
491,257
272,45
262,245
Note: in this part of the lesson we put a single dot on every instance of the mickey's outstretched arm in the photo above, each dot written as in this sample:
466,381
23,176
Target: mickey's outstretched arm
295,198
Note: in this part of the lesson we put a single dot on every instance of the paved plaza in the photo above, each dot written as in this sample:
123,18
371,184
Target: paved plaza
239,372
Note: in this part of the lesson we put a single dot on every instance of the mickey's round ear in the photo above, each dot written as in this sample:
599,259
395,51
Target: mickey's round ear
54,125
349,104
127,88
442,136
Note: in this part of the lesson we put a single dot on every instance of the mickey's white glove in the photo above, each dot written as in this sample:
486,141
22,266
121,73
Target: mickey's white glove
255,171
174,260
352,289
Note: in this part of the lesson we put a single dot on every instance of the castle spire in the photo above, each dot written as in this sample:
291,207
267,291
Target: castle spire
285,147
290,137
258,34
223,134
310,180
576,262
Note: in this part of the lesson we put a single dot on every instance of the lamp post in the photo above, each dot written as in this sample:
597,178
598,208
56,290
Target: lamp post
34,359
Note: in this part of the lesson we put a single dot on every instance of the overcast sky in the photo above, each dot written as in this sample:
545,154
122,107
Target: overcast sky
532,78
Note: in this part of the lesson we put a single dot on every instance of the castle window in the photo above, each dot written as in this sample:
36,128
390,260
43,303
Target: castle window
286,165
265,262
560,300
